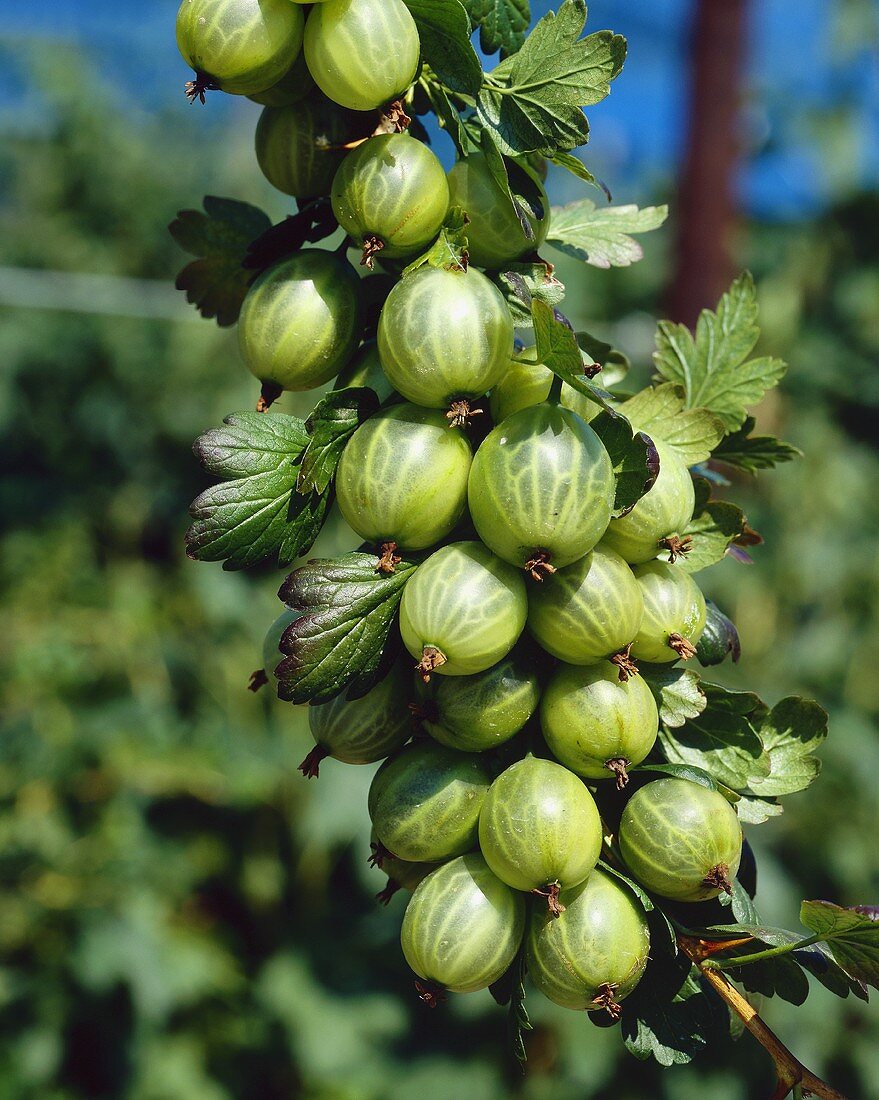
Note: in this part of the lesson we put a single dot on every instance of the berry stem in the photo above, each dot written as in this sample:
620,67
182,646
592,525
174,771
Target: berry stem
791,1072
759,956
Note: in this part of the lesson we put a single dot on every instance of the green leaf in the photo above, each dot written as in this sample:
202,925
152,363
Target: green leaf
523,206
721,740
633,455
449,250
532,101
677,691
502,24
715,526
852,936
334,420
447,116
671,1015
680,771
661,412
577,168
602,236
522,284
614,363
821,965
719,639
754,811
779,977
791,732
255,512
714,367
753,452
341,638
557,348
444,30
216,283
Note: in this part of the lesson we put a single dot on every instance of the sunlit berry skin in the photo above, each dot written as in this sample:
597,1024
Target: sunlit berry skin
362,53
541,483
674,608
589,610
463,926
600,940
476,713
495,235
392,191
243,46
444,335
527,382
403,477
679,838
663,511
300,147
300,322
466,603
425,802
539,826
364,730
596,724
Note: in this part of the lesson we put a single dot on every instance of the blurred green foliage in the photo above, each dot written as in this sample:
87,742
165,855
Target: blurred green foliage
182,915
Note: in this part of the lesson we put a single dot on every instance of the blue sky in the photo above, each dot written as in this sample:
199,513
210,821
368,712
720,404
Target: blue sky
798,71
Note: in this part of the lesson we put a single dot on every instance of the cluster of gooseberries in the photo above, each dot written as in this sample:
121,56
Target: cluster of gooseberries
520,701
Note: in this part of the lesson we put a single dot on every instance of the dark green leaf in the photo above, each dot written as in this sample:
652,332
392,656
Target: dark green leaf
523,283
719,639
502,24
449,250
715,526
500,173
255,513
335,419
602,236
447,115
634,457
614,363
679,771
721,740
216,283
677,691
779,977
577,168
822,966
714,367
672,1015
753,452
791,733
314,222
444,30
557,348
660,412
533,101
852,936
339,641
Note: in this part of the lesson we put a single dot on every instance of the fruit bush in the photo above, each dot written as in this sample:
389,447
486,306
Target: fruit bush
562,794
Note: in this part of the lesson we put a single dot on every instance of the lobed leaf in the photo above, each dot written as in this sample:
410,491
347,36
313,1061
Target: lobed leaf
661,412
851,935
216,283
577,168
524,283
558,349
713,365
750,452
602,236
633,455
444,30
714,528
677,691
533,100
341,639
503,24
334,420
450,249
256,512
791,732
